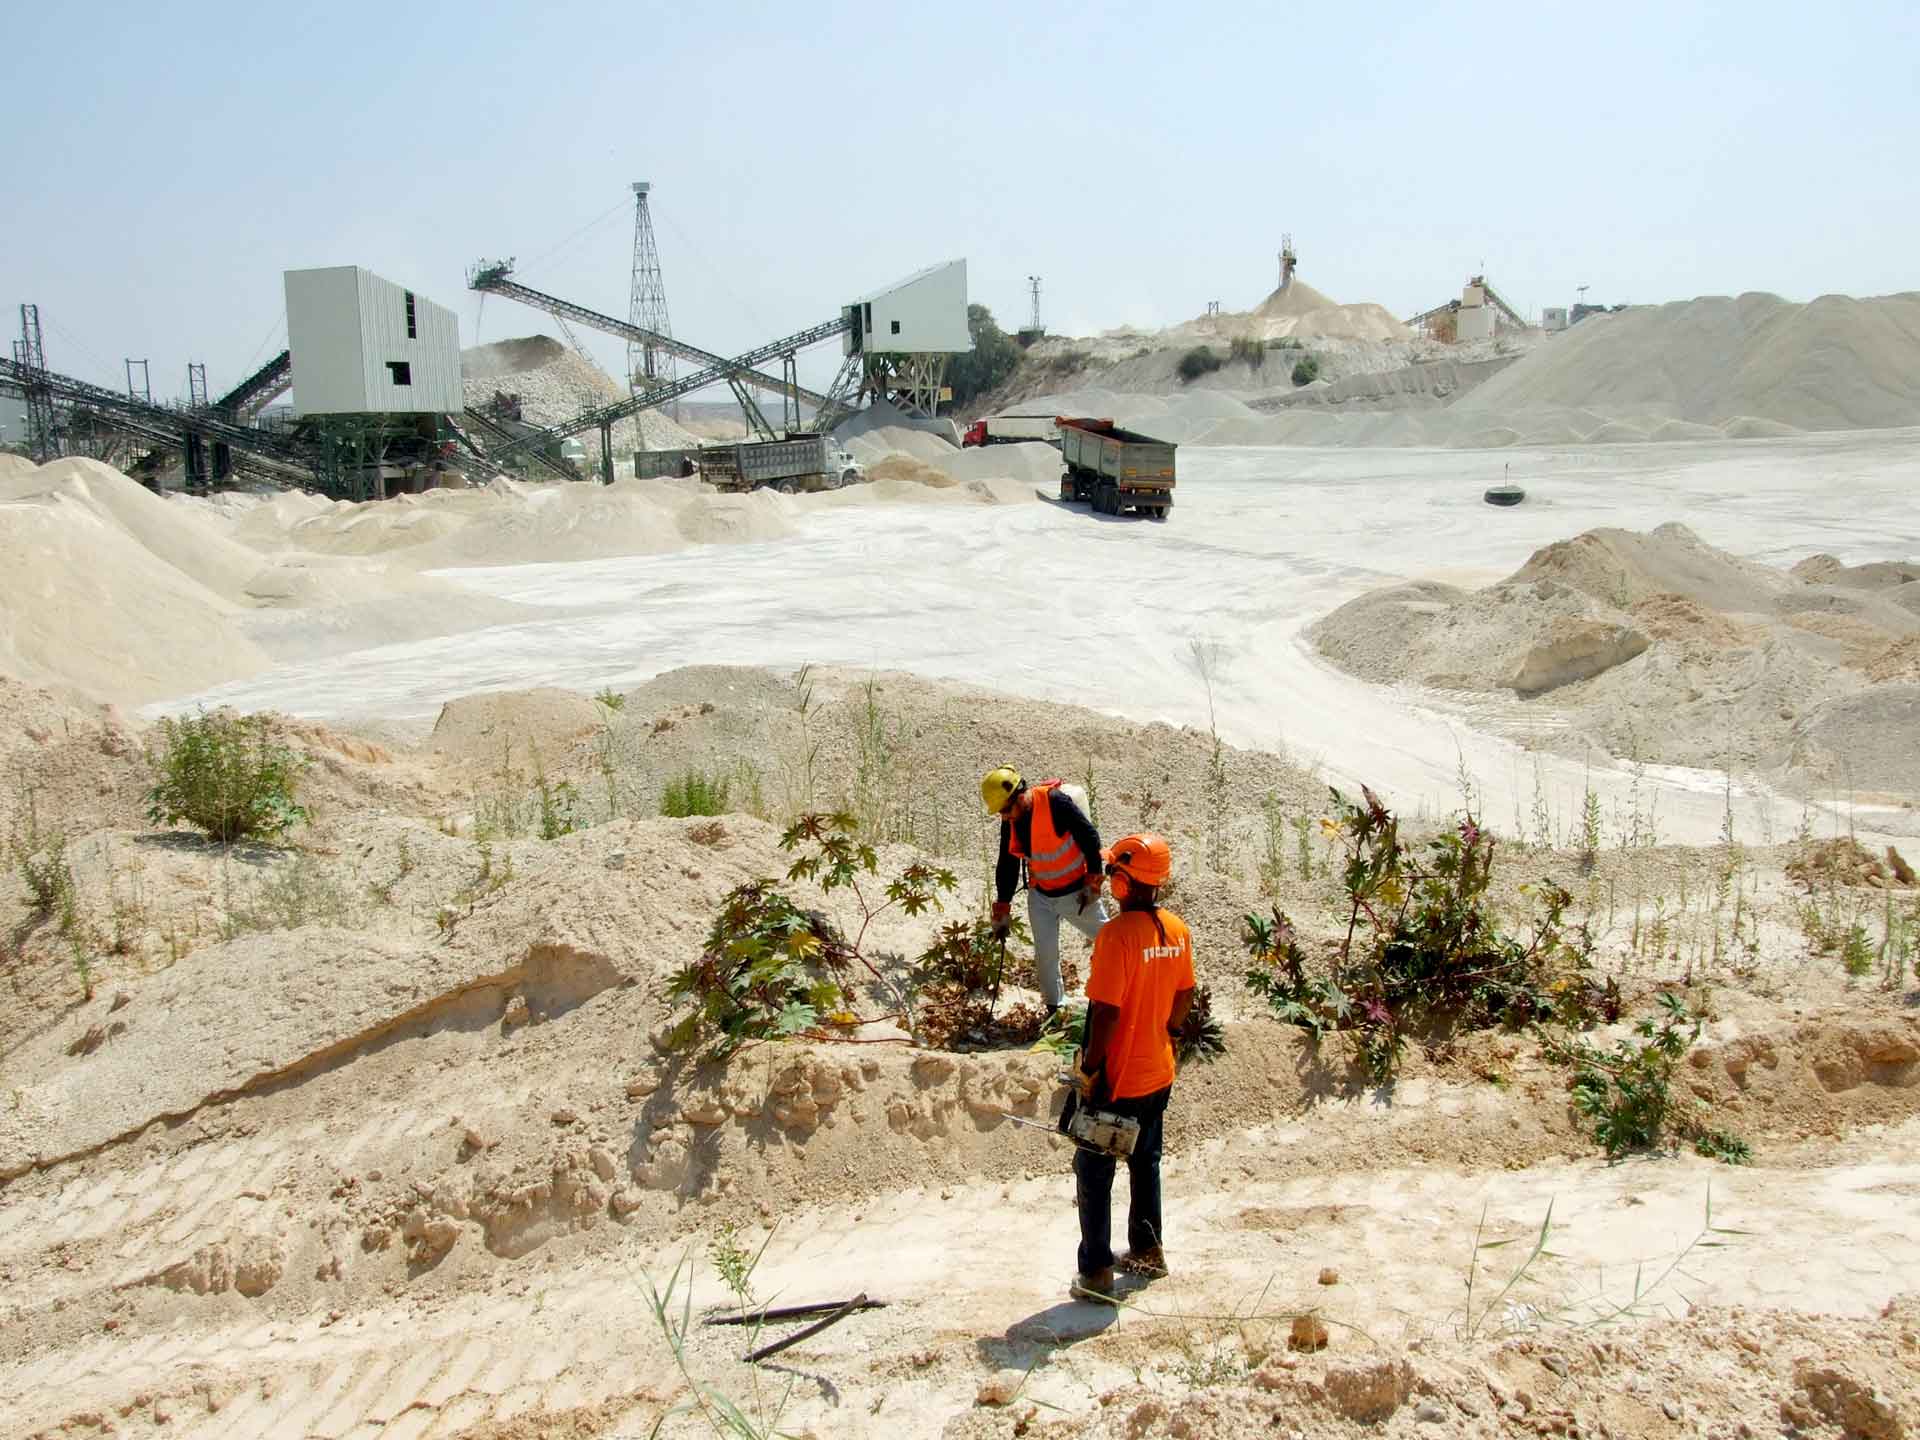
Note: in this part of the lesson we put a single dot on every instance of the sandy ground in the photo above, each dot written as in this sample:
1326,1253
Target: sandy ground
1262,544
421,1180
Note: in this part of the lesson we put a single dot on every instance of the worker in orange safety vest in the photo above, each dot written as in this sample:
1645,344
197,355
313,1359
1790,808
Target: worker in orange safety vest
1044,829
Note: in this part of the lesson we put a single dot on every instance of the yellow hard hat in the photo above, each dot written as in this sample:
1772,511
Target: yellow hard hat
999,787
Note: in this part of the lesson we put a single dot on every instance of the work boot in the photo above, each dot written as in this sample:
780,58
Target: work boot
1097,1287
1151,1264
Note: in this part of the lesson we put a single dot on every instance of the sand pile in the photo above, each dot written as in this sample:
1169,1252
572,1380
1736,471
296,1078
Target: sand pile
1300,310
1714,368
106,587
1832,364
881,429
555,384
131,598
1660,647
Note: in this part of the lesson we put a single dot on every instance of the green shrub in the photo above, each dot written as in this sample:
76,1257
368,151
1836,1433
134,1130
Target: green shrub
694,793
771,969
1199,361
223,775
1306,370
1624,1093
1249,349
1422,942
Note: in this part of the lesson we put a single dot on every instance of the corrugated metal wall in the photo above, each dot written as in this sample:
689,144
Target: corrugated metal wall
347,327
431,353
930,309
323,334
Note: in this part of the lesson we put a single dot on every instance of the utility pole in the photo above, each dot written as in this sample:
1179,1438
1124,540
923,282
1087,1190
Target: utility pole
1033,283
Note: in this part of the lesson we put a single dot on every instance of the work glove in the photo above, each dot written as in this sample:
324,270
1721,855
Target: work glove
1002,919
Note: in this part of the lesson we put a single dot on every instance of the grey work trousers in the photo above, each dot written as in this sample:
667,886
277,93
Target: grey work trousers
1044,914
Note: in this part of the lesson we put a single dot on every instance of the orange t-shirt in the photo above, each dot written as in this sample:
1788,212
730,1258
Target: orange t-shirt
1138,973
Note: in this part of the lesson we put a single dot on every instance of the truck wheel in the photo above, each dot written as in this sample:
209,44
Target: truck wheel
1108,502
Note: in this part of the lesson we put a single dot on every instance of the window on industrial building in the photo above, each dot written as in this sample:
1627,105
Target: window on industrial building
412,332
896,327
401,371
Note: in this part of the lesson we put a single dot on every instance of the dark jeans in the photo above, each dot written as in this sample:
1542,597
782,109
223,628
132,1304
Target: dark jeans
1093,1186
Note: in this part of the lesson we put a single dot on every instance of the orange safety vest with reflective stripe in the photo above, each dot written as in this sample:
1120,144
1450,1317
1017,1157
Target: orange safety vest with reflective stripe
1053,860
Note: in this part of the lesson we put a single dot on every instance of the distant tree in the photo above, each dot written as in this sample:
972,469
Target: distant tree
993,359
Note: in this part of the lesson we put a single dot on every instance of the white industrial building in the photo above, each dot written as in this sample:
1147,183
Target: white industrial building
362,345
926,313
904,333
1553,318
1474,319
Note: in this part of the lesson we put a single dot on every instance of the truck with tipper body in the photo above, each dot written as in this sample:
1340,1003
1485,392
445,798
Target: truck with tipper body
1115,470
796,463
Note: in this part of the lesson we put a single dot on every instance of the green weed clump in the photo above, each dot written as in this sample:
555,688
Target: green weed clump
1306,370
224,775
1423,944
1624,1093
694,792
1249,349
40,858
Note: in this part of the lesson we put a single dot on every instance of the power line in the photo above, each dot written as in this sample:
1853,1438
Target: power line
598,220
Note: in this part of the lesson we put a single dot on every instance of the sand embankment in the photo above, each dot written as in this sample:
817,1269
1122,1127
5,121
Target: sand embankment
1714,368
1659,646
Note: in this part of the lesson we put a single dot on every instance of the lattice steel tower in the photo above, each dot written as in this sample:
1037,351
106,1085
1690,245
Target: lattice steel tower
647,365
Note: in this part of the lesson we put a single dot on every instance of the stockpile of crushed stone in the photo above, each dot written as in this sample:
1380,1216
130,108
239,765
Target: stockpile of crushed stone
1750,368
1836,363
1301,311
555,384
1660,647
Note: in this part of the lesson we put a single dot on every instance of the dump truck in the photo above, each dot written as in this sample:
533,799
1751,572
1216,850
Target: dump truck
796,463
1116,470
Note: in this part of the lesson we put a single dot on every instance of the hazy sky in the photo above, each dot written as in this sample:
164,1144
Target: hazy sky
168,162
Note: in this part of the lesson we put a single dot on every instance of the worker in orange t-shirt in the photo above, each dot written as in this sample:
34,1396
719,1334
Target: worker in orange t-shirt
1138,993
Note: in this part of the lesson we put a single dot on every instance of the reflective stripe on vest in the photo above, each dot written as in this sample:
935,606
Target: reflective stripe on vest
1055,861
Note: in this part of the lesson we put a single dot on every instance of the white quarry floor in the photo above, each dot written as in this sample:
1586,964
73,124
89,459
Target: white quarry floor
1058,604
